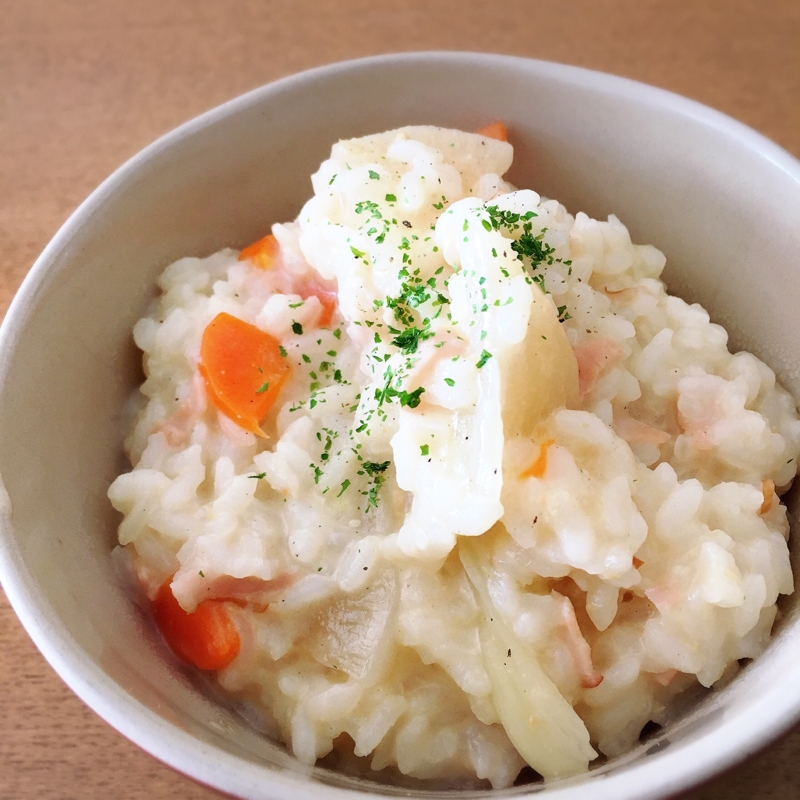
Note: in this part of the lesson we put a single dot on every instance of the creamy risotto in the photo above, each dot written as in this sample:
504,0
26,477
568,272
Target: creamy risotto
441,479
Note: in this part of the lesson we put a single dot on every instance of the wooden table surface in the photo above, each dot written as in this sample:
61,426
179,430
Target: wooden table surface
85,84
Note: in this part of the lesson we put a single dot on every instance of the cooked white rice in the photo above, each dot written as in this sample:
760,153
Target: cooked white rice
578,520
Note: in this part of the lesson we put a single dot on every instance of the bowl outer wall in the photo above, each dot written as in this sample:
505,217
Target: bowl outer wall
702,187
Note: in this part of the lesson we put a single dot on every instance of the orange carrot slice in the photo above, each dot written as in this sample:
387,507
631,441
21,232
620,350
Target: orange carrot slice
261,253
494,130
539,467
206,638
243,369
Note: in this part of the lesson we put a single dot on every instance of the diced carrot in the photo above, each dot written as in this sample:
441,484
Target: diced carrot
494,130
206,638
539,467
243,369
261,253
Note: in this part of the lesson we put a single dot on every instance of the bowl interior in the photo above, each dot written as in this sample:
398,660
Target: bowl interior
719,200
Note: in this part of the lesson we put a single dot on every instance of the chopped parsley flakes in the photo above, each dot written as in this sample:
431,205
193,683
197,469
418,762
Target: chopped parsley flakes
373,468
408,341
485,356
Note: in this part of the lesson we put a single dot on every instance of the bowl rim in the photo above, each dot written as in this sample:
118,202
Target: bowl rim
667,773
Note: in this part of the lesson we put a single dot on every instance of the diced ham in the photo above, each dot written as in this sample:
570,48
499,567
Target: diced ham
269,260
594,354
663,596
666,677
430,357
700,409
633,431
578,646
326,296
177,427
194,588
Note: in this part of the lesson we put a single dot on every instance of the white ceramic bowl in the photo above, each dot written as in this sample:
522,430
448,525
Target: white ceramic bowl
719,199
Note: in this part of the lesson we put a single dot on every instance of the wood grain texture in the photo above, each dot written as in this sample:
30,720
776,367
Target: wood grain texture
86,84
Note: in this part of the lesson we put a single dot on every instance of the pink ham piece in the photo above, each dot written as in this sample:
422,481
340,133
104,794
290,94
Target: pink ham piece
578,646
430,356
315,287
177,427
666,677
635,432
193,589
663,596
309,284
594,354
